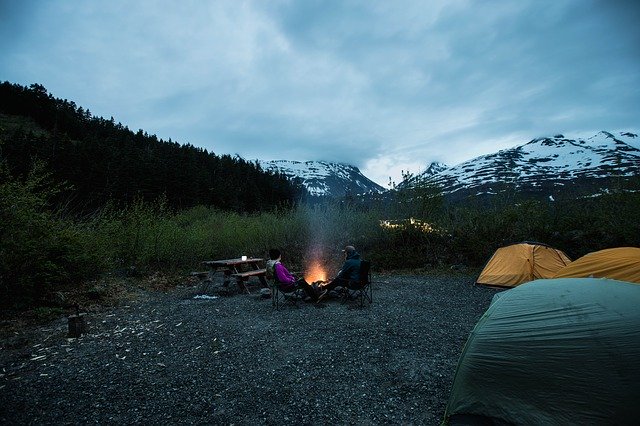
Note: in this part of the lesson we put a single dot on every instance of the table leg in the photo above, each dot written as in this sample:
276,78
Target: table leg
242,286
227,277
262,279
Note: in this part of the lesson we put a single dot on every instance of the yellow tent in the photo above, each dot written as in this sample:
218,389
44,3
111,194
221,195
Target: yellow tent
621,263
518,263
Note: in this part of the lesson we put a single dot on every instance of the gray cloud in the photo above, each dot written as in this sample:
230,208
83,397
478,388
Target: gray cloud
387,86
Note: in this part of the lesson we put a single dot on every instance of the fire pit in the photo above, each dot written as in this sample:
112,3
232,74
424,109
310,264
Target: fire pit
316,273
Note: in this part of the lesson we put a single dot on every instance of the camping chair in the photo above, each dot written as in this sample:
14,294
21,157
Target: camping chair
360,290
280,297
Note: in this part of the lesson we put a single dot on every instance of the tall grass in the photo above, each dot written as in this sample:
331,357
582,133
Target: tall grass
147,236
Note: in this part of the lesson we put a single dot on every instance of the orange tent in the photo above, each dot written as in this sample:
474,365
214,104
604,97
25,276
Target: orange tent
621,263
518,263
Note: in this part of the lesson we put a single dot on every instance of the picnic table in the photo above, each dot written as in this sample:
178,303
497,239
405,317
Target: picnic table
240,269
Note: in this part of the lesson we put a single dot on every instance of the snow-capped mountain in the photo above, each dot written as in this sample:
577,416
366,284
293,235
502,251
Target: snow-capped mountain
433,169
544,166
322,178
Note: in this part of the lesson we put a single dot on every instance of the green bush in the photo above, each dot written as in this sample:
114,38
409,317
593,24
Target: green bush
39,251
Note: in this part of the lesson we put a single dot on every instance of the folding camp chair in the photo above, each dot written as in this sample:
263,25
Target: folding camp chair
360,290
280,297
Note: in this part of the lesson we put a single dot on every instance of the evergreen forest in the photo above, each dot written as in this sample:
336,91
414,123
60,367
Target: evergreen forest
103,161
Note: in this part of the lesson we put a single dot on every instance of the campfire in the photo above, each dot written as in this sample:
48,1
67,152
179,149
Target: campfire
316,273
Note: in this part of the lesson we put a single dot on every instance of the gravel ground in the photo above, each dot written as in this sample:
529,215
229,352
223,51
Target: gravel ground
168,358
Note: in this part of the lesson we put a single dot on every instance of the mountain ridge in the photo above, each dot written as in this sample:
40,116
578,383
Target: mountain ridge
546,166
324,178
543,165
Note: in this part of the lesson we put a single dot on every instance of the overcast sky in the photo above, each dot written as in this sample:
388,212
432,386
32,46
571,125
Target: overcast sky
383,85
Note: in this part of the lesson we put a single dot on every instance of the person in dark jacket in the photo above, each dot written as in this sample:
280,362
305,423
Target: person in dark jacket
350,272
286,281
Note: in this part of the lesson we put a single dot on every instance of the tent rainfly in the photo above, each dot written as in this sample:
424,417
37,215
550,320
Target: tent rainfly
518,263
621,263
552,352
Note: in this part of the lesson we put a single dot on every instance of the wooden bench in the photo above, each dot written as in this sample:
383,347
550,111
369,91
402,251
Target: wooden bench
201,275
242,277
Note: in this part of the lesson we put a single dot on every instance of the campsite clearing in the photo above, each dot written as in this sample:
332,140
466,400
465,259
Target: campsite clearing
172,358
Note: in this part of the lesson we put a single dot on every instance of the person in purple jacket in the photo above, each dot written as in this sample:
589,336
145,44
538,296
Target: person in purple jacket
286,281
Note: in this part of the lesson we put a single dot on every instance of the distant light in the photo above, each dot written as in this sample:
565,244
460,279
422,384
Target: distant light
407,223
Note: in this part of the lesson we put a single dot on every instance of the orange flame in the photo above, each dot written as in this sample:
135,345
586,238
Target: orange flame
315,273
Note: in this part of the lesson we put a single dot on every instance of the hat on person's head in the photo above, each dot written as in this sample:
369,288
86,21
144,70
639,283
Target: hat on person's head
349,249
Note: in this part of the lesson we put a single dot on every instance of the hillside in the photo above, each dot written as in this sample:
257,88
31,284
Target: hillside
105,161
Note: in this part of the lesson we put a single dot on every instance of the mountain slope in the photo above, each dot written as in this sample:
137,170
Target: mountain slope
545,166
322,178
433,169
103,161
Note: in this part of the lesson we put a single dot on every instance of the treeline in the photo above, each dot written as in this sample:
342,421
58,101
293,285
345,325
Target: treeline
468,234
44,253
102,160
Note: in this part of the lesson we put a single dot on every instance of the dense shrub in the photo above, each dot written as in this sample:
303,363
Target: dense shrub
39,251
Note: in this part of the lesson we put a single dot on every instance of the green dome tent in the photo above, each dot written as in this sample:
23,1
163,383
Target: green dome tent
553,352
